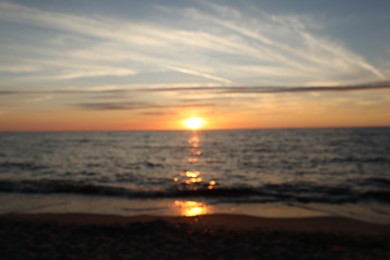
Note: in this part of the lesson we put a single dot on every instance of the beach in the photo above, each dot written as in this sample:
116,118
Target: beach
218,236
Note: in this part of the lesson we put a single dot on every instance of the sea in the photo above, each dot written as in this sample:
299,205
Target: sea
270,173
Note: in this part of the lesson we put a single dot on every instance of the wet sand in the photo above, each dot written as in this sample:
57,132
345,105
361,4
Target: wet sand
222,236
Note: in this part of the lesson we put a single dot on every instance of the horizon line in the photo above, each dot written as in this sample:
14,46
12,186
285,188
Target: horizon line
189,130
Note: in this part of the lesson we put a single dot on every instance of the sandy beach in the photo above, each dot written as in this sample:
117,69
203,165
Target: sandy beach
221,236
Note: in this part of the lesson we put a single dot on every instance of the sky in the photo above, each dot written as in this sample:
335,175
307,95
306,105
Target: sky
149,65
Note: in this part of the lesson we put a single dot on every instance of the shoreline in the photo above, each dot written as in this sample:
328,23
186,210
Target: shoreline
234,222
221,236
65,204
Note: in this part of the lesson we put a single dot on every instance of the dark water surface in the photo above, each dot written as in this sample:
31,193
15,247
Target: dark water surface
293,167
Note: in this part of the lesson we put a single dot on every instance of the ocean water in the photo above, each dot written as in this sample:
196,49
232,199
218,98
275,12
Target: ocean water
337,171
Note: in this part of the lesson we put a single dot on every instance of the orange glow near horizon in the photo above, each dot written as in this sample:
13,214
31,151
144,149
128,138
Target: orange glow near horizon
61,119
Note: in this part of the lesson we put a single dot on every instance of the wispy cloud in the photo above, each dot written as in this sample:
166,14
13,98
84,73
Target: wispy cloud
277,89
61,91
133,41
286,39
217,43
211,89
306,89
39,99
96,72
200,74
139,106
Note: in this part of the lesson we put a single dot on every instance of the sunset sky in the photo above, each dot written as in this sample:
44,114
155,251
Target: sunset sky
130,65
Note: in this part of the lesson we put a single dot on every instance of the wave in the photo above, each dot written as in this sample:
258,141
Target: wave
300,193
22,165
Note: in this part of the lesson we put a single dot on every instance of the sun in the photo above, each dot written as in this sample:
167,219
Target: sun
194,123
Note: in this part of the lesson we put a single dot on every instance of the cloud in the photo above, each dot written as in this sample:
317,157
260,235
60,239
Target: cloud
197,73
61,91
18,68
97,72
39,99
277,89
113,106
140,42
139,106
216,43
285,38
158,113
385,85
307,89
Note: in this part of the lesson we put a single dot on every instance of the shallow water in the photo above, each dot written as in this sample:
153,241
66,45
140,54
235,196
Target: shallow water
321,169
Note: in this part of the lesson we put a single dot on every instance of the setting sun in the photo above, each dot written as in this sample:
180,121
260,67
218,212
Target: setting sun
194,123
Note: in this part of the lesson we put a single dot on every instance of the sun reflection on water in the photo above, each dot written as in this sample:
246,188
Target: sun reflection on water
191,179
191,208
192,160
194,140
196,152
193,174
